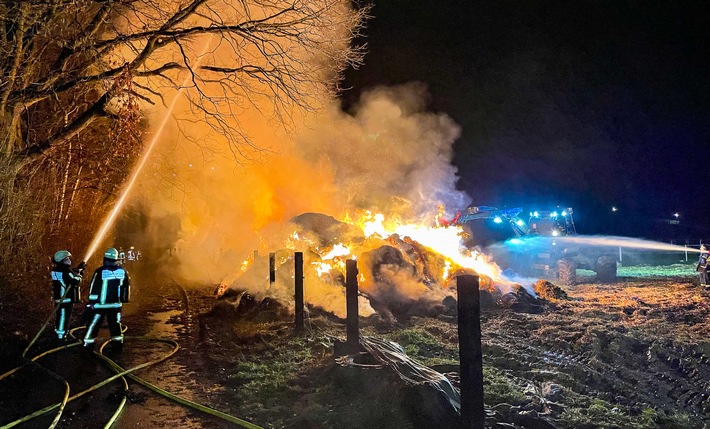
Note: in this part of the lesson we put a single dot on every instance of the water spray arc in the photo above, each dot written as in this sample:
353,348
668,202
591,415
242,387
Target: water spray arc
108,222
544,242
633,243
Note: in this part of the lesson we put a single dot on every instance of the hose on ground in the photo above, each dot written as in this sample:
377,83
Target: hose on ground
120,373
98,385
176,398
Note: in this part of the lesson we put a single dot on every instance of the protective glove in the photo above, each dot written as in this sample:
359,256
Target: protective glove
80,268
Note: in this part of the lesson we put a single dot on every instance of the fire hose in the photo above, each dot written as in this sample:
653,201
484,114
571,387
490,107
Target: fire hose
120,373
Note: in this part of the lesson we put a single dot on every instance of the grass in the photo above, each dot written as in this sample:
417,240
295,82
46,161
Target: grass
424,347
501,388
602,349
650,271
680,270
599,414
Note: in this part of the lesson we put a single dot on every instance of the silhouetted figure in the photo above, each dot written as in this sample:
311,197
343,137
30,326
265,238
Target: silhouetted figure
702,267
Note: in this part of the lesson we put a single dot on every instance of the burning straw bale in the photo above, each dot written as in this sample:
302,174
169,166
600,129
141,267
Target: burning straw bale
328,230
399,277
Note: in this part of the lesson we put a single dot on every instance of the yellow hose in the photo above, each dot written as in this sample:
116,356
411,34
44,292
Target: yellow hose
120,373
180,400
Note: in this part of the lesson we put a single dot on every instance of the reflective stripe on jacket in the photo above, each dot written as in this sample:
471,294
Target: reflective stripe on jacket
110,287
65,283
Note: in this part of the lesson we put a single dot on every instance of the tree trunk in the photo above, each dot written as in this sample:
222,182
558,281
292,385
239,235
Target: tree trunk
11,135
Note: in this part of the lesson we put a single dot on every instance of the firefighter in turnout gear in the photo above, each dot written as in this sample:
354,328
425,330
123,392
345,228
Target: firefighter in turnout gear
65,282
702,267
110,288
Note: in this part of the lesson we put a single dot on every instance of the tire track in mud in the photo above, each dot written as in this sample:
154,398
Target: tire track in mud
635,346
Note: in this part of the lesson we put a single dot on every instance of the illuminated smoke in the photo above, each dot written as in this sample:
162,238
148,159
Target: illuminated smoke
209,214
390,156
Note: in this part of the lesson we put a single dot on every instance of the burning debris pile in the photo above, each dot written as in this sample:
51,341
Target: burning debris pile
404,272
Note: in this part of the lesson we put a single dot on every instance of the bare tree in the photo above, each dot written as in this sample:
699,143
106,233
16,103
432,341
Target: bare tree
76,71
62,60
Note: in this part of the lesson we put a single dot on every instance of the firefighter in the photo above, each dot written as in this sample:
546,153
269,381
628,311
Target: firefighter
131,254
65,282
110,287
702,267
121,256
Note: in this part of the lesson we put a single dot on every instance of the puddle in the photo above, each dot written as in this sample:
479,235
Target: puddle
165,324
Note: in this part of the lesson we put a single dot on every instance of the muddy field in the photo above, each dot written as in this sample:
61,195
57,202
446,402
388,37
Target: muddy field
633,354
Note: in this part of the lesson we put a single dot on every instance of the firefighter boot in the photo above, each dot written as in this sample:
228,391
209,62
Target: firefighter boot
88,347
115,347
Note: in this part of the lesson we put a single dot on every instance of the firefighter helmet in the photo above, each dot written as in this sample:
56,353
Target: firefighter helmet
111,253
61,255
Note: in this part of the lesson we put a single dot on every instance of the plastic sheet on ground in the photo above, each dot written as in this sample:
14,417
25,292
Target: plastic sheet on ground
391,355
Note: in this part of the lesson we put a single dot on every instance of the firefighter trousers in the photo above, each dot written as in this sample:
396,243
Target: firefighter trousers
113,319
61,324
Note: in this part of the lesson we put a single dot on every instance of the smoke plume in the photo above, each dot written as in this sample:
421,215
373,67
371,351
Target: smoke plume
218,206
388,156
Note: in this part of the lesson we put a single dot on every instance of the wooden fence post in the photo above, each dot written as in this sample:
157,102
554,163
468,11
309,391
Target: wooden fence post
351,292
470,353
272,270
298,283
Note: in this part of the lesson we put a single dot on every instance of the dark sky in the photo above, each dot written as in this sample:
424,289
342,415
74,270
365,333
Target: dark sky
589,104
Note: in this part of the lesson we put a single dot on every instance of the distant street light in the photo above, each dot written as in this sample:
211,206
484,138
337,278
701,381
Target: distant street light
614,209
676,215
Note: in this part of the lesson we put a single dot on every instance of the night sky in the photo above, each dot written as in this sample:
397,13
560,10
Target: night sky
588,104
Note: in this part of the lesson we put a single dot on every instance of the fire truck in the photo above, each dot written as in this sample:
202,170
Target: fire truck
540,248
